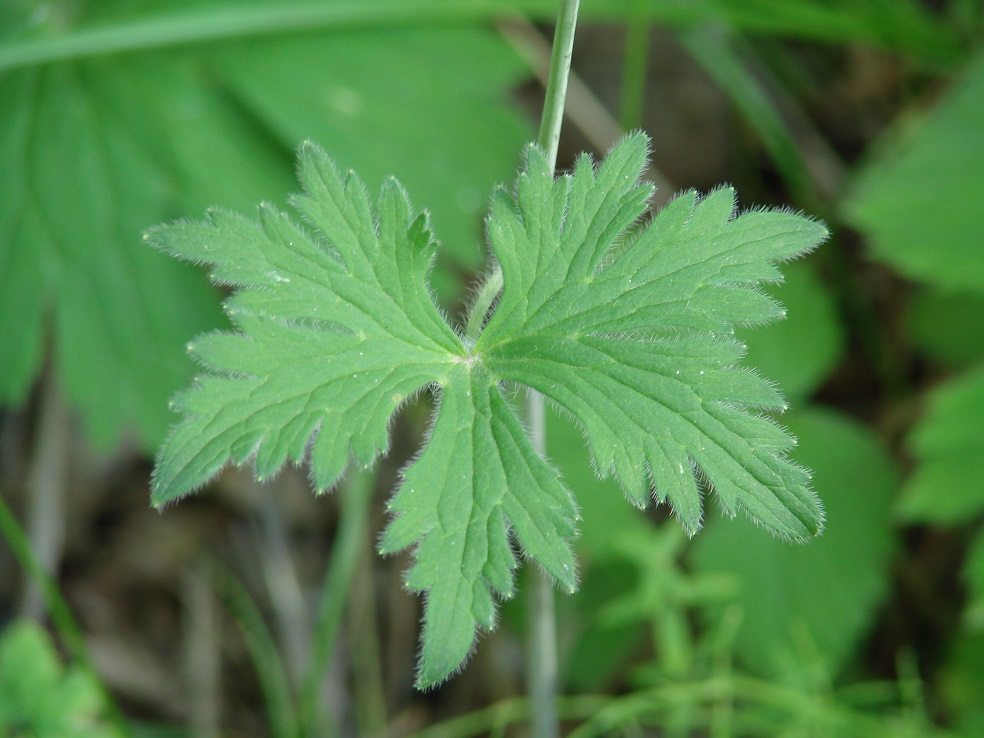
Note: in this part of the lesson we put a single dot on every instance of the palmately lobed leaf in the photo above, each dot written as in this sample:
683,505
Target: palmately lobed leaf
641,350
629,329
336,331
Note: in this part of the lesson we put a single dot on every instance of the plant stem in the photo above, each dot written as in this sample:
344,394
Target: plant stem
541,665
542,656
560,70
45,486
542,652
487,293
264,651
344,558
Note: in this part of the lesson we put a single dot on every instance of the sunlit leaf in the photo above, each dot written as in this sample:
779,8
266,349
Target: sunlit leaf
919,199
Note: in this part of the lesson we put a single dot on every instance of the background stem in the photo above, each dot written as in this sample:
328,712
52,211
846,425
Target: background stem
355,502
45,486
542,665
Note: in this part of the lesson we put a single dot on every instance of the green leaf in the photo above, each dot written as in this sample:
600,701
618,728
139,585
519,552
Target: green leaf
38,696
954,343
66,269
919,199
478,476
639,346
784,591
962,682
973,576
947,486
343,291
633,336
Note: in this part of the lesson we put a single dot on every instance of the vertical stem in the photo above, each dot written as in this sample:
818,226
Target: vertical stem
542,662
542,658
560,69
45,486
201,662
291,617
355,503
368,692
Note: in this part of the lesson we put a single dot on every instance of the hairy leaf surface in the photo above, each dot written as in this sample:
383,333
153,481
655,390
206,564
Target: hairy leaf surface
638,345
337,330
629,329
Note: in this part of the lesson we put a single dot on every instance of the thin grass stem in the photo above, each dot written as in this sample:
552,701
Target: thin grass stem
355,501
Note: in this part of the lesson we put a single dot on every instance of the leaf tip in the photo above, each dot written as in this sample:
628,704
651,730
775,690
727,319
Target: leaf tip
158,496
307,147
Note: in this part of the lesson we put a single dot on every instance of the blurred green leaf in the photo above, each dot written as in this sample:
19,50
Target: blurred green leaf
918,200
597,648
95,149
962,683
39,697
947,486
832,586
948,327
397,102
800,351
973,576
80,184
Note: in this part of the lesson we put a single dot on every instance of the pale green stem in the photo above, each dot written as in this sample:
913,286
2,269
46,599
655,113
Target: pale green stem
560,70
542,661
483,301
542,666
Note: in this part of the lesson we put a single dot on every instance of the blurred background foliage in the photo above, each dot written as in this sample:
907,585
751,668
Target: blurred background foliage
119,114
